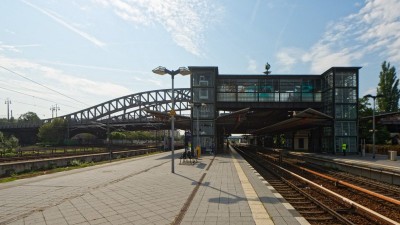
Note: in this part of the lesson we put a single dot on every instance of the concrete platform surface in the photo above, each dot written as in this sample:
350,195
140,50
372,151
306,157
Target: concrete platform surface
220,190
380,162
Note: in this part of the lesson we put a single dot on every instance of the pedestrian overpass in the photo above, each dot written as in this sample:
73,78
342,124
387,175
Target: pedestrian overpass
306,112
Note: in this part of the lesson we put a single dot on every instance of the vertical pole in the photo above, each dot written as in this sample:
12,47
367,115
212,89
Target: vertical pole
8,108
198,128
172,126
373,130
108,141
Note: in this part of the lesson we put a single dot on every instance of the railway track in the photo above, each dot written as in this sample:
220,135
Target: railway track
382,198
313,199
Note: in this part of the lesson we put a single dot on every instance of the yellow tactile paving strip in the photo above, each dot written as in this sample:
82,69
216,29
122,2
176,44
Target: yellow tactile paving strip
260,214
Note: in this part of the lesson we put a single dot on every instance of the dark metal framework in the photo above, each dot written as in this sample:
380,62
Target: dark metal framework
126,109
131,108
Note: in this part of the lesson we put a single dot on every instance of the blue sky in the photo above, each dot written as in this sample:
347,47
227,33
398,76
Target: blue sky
78,54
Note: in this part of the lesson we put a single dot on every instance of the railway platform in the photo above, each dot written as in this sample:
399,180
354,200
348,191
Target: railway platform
215,190
380,162
379,168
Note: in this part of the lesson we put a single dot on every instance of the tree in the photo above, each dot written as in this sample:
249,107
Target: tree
364,107
8,144
29,117
53,132
388,89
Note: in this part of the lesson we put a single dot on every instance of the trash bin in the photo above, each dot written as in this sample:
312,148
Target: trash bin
392,155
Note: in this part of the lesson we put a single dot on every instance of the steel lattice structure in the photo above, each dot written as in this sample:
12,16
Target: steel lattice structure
131,108
127,109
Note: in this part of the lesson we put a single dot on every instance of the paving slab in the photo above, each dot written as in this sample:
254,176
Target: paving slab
144,191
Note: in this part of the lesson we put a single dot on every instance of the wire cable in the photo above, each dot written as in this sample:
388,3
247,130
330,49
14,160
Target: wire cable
37,97
42,85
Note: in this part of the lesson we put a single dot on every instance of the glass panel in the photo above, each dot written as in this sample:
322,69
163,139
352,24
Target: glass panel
328,81
203,79
318,97
345,79
226,97
346,111
206,128
346,95
345,129
227,85
268,97
289,85
247,97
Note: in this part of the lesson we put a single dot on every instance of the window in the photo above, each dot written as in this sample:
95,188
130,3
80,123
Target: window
203,93
203,83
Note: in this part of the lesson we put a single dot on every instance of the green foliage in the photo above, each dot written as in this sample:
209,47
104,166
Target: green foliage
75,162
116,135
132,135
388,89
82,138
8,145
54,132
364,107
29,117
382,135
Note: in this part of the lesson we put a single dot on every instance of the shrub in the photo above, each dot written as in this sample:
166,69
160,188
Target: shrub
75,162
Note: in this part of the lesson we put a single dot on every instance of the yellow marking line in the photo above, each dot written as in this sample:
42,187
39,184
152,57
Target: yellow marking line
258,211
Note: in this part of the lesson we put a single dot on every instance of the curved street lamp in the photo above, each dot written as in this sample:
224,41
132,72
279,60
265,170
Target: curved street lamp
373,121
162,71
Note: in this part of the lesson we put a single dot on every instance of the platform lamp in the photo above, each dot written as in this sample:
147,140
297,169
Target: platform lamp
162,71
373,121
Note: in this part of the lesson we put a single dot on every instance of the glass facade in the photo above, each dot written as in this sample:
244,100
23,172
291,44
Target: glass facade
341,101
269,89
335,93
203,107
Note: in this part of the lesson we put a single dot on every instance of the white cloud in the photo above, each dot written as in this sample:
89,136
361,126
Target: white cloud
16,48
75,87
288,57
374,29
70,27
252,65
185,20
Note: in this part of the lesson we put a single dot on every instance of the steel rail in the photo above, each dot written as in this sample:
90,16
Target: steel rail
368,212
344,183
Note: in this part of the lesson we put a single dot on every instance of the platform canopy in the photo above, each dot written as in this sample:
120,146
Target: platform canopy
305,119
181,122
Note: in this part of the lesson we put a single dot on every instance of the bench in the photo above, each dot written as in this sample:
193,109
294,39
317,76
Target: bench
187,155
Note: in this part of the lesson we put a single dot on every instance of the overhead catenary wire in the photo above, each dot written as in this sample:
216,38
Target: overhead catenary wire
36,97
32,90
13,72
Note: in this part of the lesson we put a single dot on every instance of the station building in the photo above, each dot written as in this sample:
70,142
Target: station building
315,113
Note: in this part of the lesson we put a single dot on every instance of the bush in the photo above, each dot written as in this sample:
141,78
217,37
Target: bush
75,162
383,149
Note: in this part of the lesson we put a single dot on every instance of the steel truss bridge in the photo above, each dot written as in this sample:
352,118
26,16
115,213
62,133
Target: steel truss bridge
144,110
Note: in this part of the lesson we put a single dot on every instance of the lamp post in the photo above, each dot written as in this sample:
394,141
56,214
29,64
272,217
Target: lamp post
373,121
162,71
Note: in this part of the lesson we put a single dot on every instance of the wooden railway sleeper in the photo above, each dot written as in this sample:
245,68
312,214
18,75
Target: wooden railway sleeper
305,207
346,210
327,218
